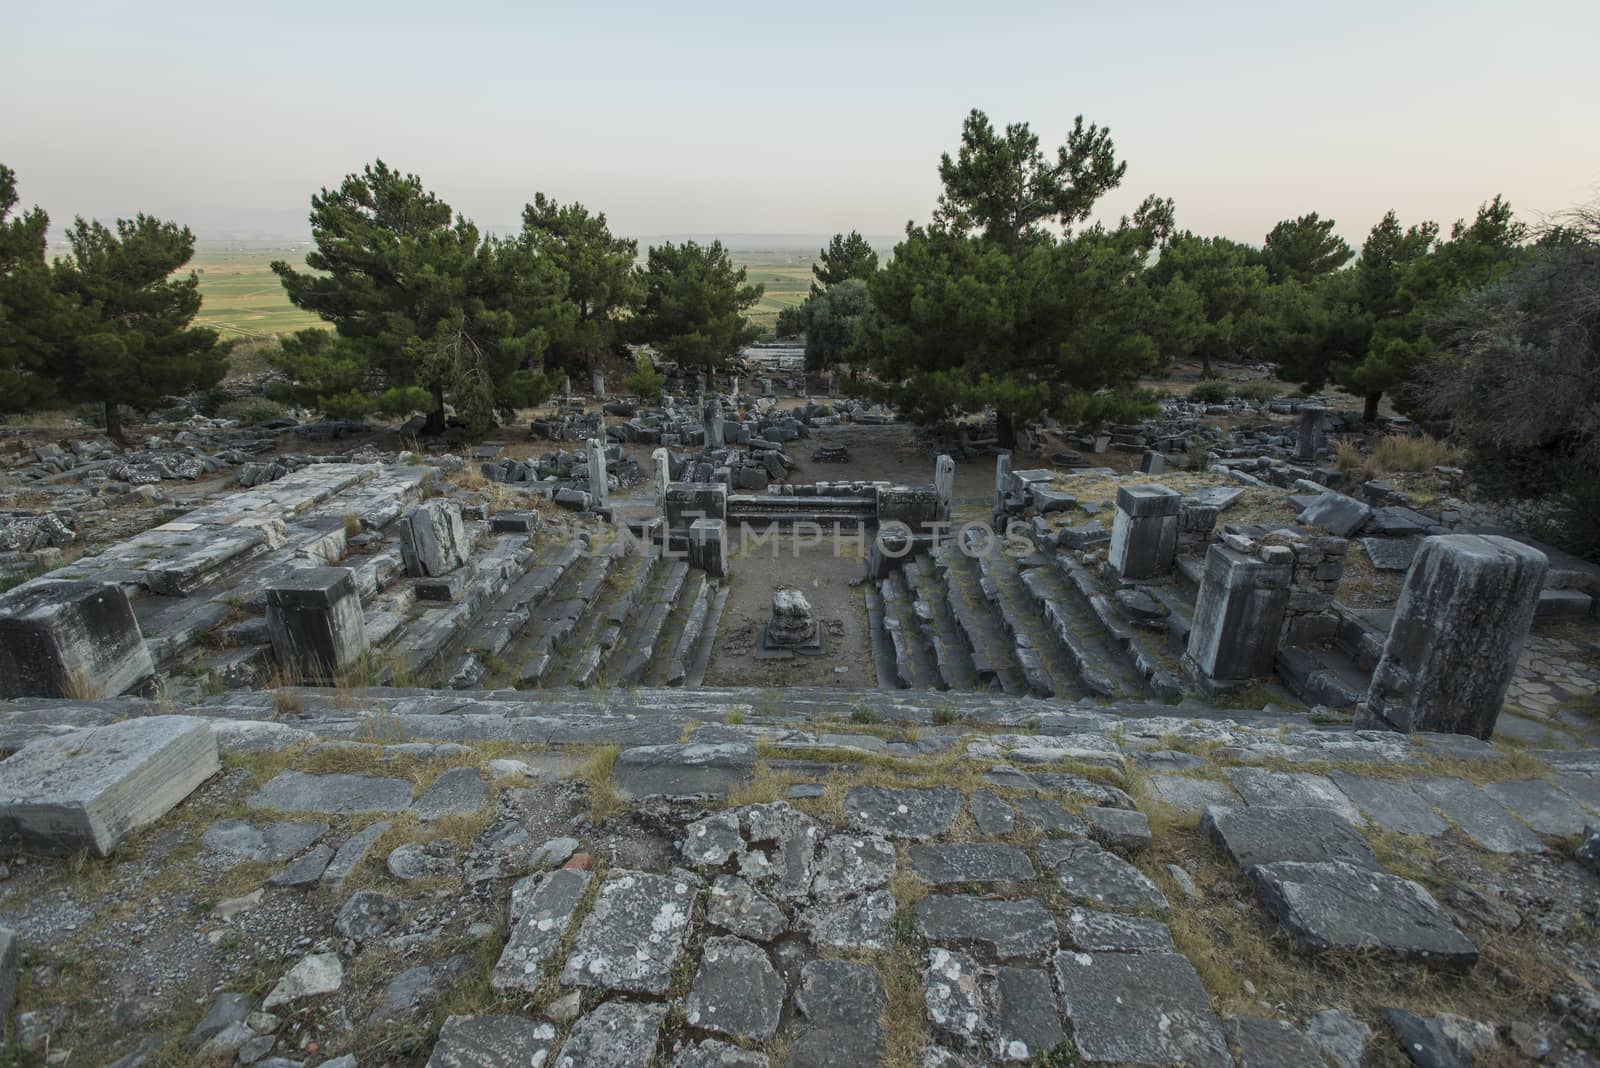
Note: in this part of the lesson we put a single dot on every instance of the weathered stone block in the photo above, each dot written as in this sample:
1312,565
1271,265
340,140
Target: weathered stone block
60,638
1144,535
1458,630
708,546
315,619
90,789
433,540
1238,615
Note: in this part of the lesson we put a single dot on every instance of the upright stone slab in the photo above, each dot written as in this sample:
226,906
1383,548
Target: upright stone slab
598,382
1310,437
1002,484
78,639
89,789
660,475
315,620
708,547
433,540
713,423
599,483
684,502
944,485
1239,613
1144,536
1458,630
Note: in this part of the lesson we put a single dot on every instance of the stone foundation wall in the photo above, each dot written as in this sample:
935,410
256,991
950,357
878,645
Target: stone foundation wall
1314,581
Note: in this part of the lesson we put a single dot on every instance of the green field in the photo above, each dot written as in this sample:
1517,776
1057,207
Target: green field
242,297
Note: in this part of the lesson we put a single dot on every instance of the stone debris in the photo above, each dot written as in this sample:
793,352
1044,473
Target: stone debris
320,973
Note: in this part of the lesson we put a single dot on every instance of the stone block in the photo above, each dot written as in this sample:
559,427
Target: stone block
9,964
315,619
61,638
1337,514
1148,501
433,540
1237,616
684,502
514,522
90,789
708,546
1144,535
1458,630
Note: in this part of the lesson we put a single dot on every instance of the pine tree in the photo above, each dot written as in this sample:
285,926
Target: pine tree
34,319
694,304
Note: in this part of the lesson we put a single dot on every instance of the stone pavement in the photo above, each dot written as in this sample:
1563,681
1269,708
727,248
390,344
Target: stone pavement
1021,882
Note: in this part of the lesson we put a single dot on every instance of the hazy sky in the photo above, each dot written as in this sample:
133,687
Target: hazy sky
741,118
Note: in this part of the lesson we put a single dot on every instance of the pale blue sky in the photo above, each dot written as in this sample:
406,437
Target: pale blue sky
813,118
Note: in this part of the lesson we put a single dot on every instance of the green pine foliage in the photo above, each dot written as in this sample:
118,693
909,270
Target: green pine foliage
694,304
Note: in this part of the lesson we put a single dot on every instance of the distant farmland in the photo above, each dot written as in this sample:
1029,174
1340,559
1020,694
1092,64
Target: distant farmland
242,297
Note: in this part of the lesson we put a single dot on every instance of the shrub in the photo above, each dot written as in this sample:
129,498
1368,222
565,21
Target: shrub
251,410
1399,452
1260,391
1211,391
645,382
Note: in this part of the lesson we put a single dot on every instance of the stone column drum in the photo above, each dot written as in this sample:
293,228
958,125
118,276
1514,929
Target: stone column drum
1144,536
314,617
1463,615
1239,614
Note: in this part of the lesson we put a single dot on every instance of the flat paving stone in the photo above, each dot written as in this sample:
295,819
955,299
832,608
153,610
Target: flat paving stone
1268,1043
971,862
632,937
1261,834
542,910
713,1053
1007,928
240,841
457,792
1048,816
1187,794
1118,828
1334,905
858,923
1392,804
1291,789
614,1034
351,852
910,813
1094,931
492,1042
1479,816
712,841
1541,805
306,870
954,1000
1139,1008
840,1000
89,789
683,771
1090,873
850,865
737,907
1027,1017
1052,851
992,813
298,791
736,991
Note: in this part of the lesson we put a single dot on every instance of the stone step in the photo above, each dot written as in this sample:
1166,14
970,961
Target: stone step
632,658
681,628
698,646
882,646
1087,625
609,603
426,639
951,653
535,652
913,653
1323,675
1045,661
512,611
993,656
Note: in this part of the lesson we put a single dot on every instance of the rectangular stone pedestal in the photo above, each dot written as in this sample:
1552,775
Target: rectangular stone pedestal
314,617
1144,536
90,789
708,547
1463,615
61,638
433,540
1238,615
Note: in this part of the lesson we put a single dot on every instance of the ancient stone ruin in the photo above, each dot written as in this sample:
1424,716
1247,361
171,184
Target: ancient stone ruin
502,759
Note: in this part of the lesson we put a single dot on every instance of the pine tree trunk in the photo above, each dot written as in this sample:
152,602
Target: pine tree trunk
1005,430
114,423
1369,414
435,423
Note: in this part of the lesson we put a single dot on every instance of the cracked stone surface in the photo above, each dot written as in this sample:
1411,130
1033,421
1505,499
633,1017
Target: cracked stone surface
542,911
736,992
633,936
1139,1008
1100,877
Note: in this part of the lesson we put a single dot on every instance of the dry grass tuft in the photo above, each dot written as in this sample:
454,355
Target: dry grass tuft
604,800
